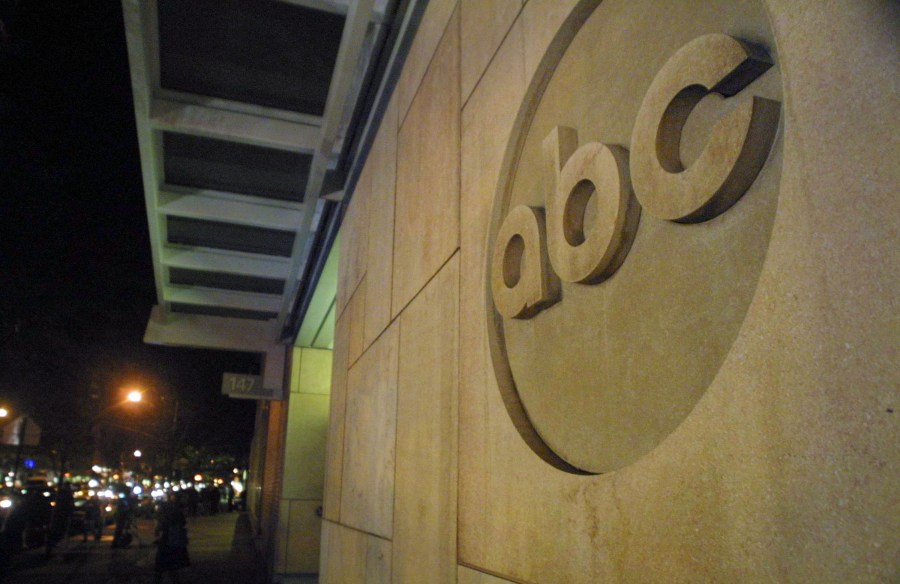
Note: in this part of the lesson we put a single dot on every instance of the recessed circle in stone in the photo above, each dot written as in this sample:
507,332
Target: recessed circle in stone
600,378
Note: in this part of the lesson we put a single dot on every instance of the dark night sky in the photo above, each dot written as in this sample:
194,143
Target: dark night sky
76,281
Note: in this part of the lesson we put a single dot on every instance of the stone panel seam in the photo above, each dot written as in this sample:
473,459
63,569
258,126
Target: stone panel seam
513,579
425,284
465,99
402,115
358,530
339,314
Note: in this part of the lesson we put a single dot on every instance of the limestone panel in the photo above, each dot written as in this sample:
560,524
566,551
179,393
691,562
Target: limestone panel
356,314
354,242
426,230
483,25
383,161
470,576
782,470
344,552
378,561
424,544
314,374
304,448
428,36
334,445
487,120
353,557
304,535
367,496
542,20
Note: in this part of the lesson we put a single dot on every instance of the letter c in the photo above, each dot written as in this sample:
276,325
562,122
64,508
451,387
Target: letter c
737,147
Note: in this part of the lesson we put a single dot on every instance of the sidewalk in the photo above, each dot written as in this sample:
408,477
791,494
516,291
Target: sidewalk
221,550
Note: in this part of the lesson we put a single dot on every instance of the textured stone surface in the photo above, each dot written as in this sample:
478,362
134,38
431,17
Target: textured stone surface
432,28
665,321
487,120
483,25
426,468
367,496
354,242
784,469
353,557
470,576
426,229
383,160
739,491
356,316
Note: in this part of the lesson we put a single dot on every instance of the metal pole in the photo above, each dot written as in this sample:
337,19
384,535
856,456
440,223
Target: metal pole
174,445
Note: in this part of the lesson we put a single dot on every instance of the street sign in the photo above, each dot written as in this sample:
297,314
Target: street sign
247,387
20,431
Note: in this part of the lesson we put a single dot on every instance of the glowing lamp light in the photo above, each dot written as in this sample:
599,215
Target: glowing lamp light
96,468
4,412
137,453
198,478
137,490
93,483
6,504
135,396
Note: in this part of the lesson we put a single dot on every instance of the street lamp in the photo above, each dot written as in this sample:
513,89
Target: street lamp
4,412
132,397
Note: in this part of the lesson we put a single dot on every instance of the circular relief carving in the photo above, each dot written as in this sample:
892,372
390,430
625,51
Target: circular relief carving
606,323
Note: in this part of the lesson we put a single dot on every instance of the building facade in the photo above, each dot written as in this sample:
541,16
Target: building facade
614,297
741,426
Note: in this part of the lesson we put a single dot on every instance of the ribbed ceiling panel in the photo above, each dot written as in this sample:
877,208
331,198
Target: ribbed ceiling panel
198,232
261,52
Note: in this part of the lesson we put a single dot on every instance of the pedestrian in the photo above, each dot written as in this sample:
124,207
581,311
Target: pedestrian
93,522
213,496
124,521
60,516
193,500
172,540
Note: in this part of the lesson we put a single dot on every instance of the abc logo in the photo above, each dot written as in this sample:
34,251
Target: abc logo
536,248
598,381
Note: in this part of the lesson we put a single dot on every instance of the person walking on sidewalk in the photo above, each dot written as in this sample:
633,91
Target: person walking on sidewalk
171,533
60,516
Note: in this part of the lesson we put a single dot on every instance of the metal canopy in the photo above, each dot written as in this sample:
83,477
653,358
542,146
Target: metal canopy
245,112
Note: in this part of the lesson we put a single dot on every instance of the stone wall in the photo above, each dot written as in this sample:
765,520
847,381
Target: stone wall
736,423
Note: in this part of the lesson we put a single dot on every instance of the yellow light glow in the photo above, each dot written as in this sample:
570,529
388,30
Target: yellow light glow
135,396
4,412
198,478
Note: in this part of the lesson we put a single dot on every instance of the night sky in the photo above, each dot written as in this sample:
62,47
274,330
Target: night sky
76,279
